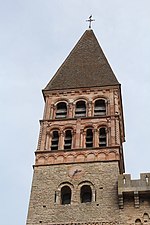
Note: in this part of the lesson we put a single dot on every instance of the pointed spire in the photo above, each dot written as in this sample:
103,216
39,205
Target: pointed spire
86,66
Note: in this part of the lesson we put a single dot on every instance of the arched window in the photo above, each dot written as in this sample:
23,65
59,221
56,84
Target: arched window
102,137
65,195
55,140
100,107
86,194
61,110
89,138
138,222
80,110
68,139
146,218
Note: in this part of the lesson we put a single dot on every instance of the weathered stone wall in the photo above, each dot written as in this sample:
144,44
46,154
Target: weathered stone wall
129,214
134,198
45,207
47,180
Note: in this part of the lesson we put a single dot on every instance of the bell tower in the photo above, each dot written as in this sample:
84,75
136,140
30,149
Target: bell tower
79,154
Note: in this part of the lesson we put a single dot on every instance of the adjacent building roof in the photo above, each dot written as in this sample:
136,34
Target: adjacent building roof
86,66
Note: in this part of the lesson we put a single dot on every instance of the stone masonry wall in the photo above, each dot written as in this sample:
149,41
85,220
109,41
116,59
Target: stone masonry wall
45,209
130,214
134,199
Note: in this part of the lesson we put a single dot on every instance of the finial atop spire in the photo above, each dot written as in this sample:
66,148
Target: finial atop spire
90,20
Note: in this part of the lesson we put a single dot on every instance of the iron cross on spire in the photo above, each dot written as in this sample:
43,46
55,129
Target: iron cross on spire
90,20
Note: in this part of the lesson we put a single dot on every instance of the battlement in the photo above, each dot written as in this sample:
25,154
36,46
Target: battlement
135,188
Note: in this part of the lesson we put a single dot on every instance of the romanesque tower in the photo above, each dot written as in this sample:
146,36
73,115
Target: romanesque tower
80,155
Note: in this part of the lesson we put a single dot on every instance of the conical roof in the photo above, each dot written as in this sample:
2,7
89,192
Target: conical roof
86,66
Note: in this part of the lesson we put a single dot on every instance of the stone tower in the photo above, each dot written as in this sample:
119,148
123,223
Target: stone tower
80,155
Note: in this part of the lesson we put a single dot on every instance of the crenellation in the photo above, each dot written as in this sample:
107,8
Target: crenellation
125,182
137,188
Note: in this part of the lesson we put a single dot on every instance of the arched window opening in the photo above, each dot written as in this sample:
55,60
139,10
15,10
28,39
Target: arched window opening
80,110
65,195
61,110
145,218
68,139
55,140
102,137
89,138
138,222
86,194
100,108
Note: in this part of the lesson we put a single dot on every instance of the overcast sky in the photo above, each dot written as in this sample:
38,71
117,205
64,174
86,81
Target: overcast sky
35,38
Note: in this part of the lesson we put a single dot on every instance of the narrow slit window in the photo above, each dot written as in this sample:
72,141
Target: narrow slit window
86,194
65,195
80,110
68,139
100,108
61,110
55,197
102,137
55,140
89,138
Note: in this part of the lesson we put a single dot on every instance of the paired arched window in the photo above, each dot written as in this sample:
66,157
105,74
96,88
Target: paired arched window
55,140
89,138
65,195
61,110
145,220
68,139
102,137
85,194
80,109
100,107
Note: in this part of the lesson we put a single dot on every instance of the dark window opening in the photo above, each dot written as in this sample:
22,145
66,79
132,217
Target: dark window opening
68,139
55,140
55,197
86,194
65,195
80,110
89,138
102,137
100,108
61,110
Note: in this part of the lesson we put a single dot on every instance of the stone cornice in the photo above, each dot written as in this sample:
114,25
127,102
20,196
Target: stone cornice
81,118
79,90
